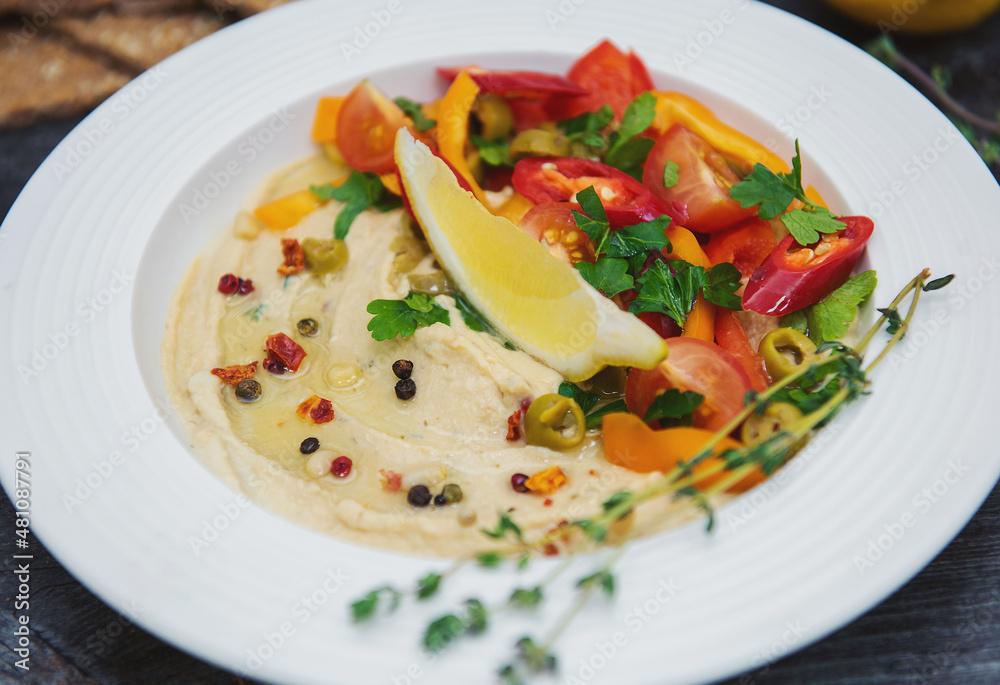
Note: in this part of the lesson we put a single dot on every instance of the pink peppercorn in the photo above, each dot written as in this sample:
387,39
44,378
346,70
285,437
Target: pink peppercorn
229,284
517,481
341,467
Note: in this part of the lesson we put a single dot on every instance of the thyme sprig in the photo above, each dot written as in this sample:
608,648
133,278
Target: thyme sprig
837,378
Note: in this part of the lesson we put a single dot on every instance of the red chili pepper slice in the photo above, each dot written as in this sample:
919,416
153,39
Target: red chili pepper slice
558,179
515,84
746,246
285,350
793,277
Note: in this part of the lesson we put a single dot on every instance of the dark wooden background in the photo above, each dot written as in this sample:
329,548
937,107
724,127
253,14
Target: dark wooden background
942,627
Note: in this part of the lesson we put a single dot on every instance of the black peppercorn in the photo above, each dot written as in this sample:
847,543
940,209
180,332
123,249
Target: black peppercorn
307,327
406,389
309,445
419,496
403,368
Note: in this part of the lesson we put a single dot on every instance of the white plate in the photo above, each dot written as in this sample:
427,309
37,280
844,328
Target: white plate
94,246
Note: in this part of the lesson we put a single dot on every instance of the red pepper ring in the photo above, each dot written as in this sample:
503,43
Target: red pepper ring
793,277
626,201
519,84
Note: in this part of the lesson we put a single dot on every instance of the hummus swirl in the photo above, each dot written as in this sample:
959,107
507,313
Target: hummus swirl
454,430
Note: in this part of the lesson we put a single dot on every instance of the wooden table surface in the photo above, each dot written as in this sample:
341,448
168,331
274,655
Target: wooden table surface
941,627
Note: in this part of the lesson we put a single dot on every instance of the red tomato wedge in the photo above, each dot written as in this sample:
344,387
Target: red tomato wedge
609,76
698,366
554,222
559,179
732,337
793,276
515,84
746,246
366,129
703,180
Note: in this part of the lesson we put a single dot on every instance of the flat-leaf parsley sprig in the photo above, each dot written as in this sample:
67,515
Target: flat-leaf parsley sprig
774,193
820,389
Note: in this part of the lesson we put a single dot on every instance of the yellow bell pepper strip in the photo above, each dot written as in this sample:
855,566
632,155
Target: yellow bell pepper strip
391,183
453,128
324,128
630,443
514,208
700,322
677,108
289,210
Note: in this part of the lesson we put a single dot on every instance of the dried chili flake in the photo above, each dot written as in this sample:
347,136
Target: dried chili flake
316,409
514,425
295,258
391,481
285,350
237,373
548,481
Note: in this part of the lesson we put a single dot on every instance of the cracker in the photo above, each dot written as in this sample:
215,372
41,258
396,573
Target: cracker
244,8
45,77
136,41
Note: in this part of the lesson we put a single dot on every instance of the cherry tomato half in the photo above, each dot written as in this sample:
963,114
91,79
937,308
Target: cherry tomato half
793,276
698,366
366,129
745,246
609,76
554,222
703,180
558,179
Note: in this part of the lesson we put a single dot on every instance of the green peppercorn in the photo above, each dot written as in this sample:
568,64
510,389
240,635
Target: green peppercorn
248,390
450,494
324,256
308,327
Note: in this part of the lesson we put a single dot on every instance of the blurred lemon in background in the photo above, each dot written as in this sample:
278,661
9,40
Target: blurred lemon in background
918,16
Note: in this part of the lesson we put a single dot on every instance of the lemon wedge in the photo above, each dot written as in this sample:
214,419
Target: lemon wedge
537,301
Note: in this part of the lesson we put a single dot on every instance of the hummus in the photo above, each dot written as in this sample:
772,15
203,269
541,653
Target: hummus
454,430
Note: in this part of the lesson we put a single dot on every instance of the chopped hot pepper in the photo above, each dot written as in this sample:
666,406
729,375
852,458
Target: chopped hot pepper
391,481
236,373
548,481
285,350
514,425
316,409
294,258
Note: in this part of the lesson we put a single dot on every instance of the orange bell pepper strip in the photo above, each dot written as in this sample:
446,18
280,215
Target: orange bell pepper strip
289,210
391,183
514,208
677,108
453,128
731,336
630,443
324,128
700,323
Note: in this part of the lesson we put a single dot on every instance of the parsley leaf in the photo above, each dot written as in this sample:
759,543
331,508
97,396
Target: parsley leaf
671,174
403,317
775,192
493,152
672,288
609,275
830,318
595,418
359,192
412,110
806,225
587,402
640,238
586,128
626,150
673,408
